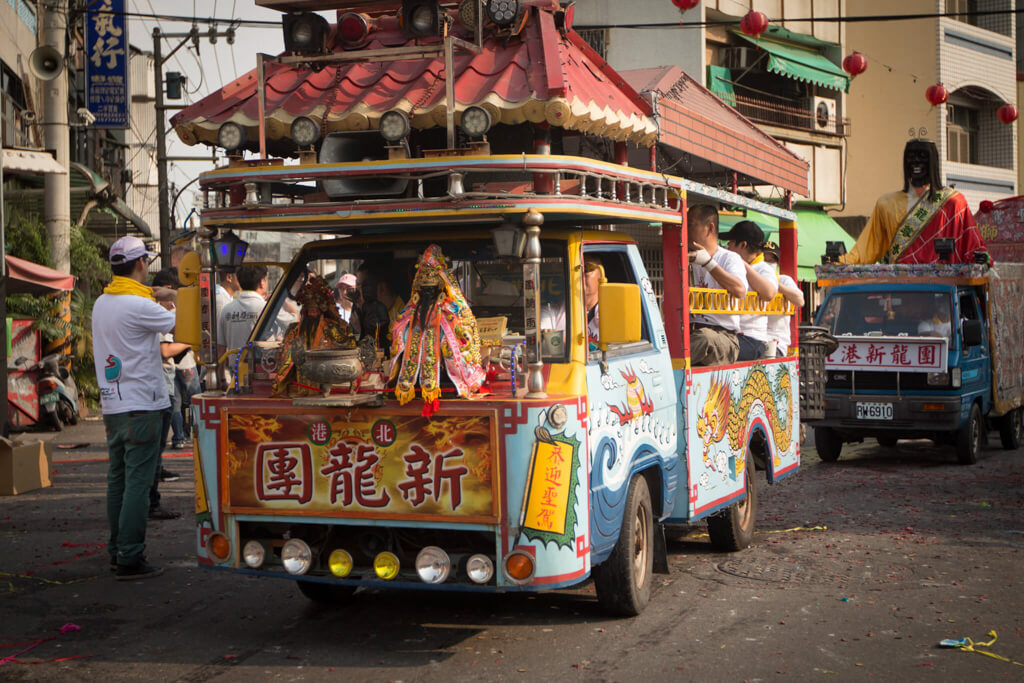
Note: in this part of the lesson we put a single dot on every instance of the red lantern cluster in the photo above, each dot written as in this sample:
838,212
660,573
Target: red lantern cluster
683,5
855,63
1007,113
936,94
754,23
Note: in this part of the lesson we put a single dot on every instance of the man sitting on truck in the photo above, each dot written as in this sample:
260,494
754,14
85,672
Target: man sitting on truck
904,225
713,338
747,239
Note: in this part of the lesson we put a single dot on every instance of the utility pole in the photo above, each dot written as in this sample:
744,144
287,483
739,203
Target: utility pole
163,186
57,193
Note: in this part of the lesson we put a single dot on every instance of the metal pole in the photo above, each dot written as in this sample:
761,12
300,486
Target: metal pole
3,289
261,101
57,203
449,87
161,151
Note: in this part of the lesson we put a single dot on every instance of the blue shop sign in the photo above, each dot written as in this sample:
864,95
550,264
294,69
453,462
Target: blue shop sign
106,73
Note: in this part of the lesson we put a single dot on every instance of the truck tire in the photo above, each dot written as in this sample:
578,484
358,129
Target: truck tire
968,438
828,444
623,581
325,593
887,441
733,528
1011,429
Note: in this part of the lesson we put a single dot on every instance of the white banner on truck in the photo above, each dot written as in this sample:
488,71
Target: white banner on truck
903,354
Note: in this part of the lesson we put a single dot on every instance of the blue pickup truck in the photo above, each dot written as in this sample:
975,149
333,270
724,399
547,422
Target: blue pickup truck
925,351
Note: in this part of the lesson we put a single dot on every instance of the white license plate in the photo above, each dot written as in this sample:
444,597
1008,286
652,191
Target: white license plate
874,411
49,398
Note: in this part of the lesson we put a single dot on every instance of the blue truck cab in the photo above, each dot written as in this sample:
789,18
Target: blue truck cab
920,353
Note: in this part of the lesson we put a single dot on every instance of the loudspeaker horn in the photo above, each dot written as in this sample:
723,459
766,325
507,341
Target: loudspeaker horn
351,146
45,63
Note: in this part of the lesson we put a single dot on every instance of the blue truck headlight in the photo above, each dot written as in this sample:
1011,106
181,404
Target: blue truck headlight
938,379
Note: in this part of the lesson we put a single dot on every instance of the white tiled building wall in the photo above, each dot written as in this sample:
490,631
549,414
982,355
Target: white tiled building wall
984,61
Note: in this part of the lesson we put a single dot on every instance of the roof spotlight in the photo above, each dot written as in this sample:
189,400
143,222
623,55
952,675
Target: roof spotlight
231,136
304,131
305,32
394,126
502,12
353,29
421,18
475,121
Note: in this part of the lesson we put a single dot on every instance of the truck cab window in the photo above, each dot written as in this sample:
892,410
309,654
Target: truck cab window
617,268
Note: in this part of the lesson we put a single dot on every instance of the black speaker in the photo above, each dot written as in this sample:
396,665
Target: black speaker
356,146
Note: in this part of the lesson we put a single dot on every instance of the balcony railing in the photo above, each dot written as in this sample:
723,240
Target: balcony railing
797,118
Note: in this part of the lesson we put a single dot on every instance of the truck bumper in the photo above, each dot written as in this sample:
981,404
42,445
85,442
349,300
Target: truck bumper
912,416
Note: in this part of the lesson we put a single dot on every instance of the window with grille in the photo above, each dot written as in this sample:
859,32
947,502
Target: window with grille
597,39
963,6
961,134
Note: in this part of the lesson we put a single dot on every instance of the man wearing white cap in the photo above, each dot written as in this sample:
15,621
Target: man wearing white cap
126,327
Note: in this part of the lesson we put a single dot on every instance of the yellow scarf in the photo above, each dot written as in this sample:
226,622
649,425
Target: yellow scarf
126,285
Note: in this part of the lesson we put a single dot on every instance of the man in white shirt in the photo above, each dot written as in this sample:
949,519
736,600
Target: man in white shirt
747,239
126,327
778,325
236,320
713,338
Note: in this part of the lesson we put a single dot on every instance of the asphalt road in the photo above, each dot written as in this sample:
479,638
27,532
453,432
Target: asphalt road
857,572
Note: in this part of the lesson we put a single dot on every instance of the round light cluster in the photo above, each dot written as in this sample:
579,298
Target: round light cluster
394,125
231,136
305,131
475,121
502,12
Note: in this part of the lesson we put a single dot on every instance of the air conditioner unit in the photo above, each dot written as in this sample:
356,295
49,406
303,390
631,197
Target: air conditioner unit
823,114
738,57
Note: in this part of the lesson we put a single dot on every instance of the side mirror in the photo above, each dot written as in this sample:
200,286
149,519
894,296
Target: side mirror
619,313
972,330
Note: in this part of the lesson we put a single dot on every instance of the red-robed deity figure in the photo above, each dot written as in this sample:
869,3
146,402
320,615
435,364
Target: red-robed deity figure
905,224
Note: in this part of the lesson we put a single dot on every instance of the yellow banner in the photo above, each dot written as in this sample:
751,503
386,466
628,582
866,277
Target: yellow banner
549,487
362,463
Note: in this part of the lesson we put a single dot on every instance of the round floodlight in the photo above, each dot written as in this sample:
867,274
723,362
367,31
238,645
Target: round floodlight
502,12
423,20
433,564
231,136
296,556
480,568
386,565
475,121
254,554
304,131
558,416
340,562
353,28
394,126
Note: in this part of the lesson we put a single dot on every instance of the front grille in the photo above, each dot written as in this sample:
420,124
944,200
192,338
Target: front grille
878,381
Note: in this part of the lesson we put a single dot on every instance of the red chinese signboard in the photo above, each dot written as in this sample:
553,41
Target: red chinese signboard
363,464
903,354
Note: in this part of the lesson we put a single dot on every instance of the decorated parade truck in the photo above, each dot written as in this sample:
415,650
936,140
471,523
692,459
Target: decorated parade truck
516,409
925,351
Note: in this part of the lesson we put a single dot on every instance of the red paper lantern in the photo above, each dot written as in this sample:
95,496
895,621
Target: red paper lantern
855,63
754,23
985,206
683,5
936,94
1007,113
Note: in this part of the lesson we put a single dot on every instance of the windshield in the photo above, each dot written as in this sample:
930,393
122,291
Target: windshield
913,314
372,281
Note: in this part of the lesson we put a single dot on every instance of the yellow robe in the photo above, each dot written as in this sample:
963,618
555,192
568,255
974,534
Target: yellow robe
877,235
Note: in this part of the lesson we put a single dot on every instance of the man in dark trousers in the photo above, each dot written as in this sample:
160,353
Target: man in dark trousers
126,327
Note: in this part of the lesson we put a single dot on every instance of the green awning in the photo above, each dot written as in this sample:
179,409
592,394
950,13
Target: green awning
801,63
720,82
814,229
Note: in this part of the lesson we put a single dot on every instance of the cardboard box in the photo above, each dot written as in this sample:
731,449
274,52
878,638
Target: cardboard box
23,467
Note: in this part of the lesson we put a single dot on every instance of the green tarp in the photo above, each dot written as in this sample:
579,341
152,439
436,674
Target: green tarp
801,63
814,229
720,83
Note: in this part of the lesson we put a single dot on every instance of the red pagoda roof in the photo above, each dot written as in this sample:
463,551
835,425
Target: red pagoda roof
541,75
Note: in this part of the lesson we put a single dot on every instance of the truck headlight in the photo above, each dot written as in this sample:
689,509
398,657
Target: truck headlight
296,556
254,554
955,373
938,379
433,564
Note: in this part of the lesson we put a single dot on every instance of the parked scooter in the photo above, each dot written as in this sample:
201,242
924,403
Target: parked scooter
58,393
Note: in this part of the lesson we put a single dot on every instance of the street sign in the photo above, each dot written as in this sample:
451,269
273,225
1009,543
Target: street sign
106,75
